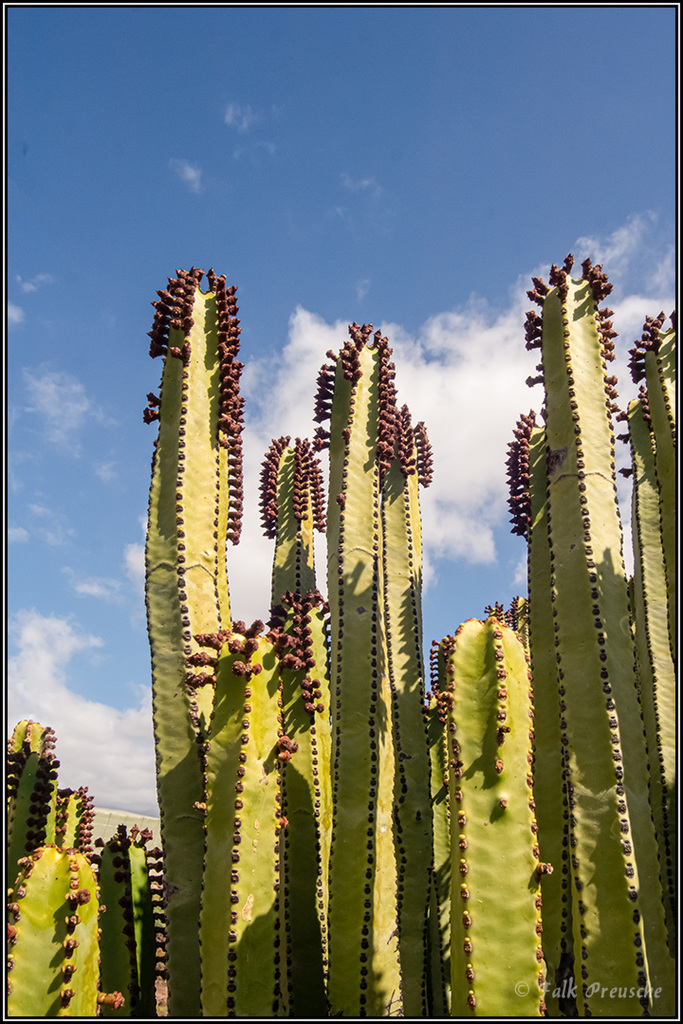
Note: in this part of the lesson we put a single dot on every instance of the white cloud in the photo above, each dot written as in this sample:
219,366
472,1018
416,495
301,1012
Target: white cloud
50,526
369,185
190,175
60,405
15,314
362,288
240,117
617,250
134,564
98,746
106,471
35,282
17,534
94,586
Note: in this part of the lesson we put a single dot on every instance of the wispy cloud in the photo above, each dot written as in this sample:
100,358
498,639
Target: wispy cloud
106,471
50,526
60,406
368,185
188,173
17,535
106,589
109,751
617,250
35,282
240,117
15,314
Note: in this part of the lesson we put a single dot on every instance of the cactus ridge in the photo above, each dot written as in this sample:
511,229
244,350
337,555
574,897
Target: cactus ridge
60,976
304,744
240,924
656,665
364,975
601,725
485,706
31,782
128,932
195,506
75,814
402,585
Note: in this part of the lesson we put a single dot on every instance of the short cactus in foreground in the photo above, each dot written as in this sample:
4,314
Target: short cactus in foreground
54,907
482,693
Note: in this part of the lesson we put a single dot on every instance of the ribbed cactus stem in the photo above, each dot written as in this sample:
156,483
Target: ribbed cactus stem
53,937
291,508
653,361
439,938
402,585
485,703
304,757
75,815
656,668
127,940
243,953
527,462
364,976
617,914
195,502
31,792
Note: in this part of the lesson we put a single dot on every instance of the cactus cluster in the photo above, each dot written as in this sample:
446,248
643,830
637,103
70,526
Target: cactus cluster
83,931
337,840
601,741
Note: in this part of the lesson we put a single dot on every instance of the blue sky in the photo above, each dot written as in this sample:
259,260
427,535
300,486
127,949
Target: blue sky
411,167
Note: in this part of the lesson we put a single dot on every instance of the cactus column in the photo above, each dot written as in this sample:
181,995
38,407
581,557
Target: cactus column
195,503
617,915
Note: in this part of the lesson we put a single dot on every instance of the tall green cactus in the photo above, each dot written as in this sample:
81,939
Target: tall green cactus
195,506
402,589
529,507
487,713
378,901
292,505
652,436
240,905
619,939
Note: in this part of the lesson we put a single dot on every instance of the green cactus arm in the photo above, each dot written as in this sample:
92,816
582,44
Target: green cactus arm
306,800
617,912
364,972
653,360
31,813
402,585
660,371
439,910
241,949
127,930
487,707
30,736
657,674
74,816
291,507
529,505
54,949
117,939
195,498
